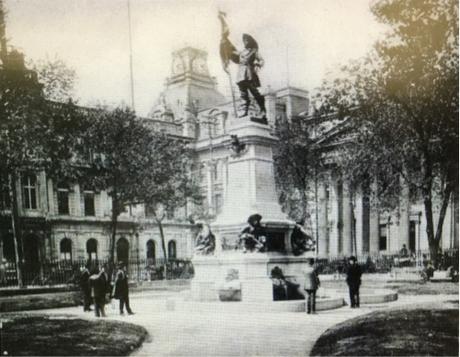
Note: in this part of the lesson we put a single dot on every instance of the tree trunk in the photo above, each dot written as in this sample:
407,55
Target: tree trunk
113,222
433,244
15,225
163,243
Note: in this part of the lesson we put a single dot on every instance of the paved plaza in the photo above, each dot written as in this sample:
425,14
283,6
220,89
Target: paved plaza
213,332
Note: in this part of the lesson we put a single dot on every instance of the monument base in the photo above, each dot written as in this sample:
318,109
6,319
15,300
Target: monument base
250,271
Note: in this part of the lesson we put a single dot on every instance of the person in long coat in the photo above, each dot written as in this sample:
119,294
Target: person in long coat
311,285
354,281
99,286
121,289
85,288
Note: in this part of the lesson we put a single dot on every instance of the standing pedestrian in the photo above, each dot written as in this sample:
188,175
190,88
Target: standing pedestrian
100,287
354,281
85,288
121,289
311,285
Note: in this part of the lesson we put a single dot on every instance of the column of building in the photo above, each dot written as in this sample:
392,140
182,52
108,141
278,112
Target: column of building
210,185
323,238
347,219
334,201
359,221
404,216
373,220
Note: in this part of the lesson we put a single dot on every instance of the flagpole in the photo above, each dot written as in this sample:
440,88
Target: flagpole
233,93
131,57
226,31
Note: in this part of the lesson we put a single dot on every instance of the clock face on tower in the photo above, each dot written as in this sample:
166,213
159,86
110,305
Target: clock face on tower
178,66
199,66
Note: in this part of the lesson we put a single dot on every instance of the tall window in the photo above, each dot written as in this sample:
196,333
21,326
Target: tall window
150,250
91,249
90,209
63,199
172,253
5,202
29,191
218,202
215,172
170,213
149,210
66,249
383,237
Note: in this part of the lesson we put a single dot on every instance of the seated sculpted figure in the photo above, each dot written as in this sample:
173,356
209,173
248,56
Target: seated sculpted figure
205,240
253,237
300,240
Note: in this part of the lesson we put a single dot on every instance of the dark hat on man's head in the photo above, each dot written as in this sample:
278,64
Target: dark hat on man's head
252,42
254,217
352,258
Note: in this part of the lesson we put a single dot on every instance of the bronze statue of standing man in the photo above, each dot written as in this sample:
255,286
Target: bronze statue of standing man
249,63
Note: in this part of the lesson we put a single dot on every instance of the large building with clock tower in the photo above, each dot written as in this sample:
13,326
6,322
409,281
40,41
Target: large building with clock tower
189,89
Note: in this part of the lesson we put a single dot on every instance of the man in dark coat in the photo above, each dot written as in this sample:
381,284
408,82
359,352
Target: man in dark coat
121,289
354,281
100,286
85,288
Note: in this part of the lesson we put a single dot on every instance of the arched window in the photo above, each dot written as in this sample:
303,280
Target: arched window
66,249
172,253
150,250
91,249
123,250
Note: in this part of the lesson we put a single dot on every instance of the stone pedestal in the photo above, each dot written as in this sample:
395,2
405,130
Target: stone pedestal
250,189
254,270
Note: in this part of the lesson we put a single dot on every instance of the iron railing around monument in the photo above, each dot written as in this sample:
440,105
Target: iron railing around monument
65,272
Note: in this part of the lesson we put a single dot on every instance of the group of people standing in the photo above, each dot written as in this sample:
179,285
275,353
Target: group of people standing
312,284
97,288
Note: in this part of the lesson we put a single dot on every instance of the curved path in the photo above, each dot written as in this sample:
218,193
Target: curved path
211,333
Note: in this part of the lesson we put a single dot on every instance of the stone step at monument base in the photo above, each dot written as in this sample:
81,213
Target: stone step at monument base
256,307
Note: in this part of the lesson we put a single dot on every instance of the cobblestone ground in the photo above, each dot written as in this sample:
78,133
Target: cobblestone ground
220,333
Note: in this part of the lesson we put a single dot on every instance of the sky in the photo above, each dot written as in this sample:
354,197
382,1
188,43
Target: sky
300,40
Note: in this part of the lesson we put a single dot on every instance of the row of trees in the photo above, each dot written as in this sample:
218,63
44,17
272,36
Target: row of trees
42,129
401,104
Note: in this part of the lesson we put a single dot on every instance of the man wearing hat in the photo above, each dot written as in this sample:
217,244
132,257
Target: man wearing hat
354,281
253,236
121,289
85,287
249,63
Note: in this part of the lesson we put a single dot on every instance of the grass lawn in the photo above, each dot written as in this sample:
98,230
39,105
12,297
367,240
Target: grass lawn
420,288
419,332
61,335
